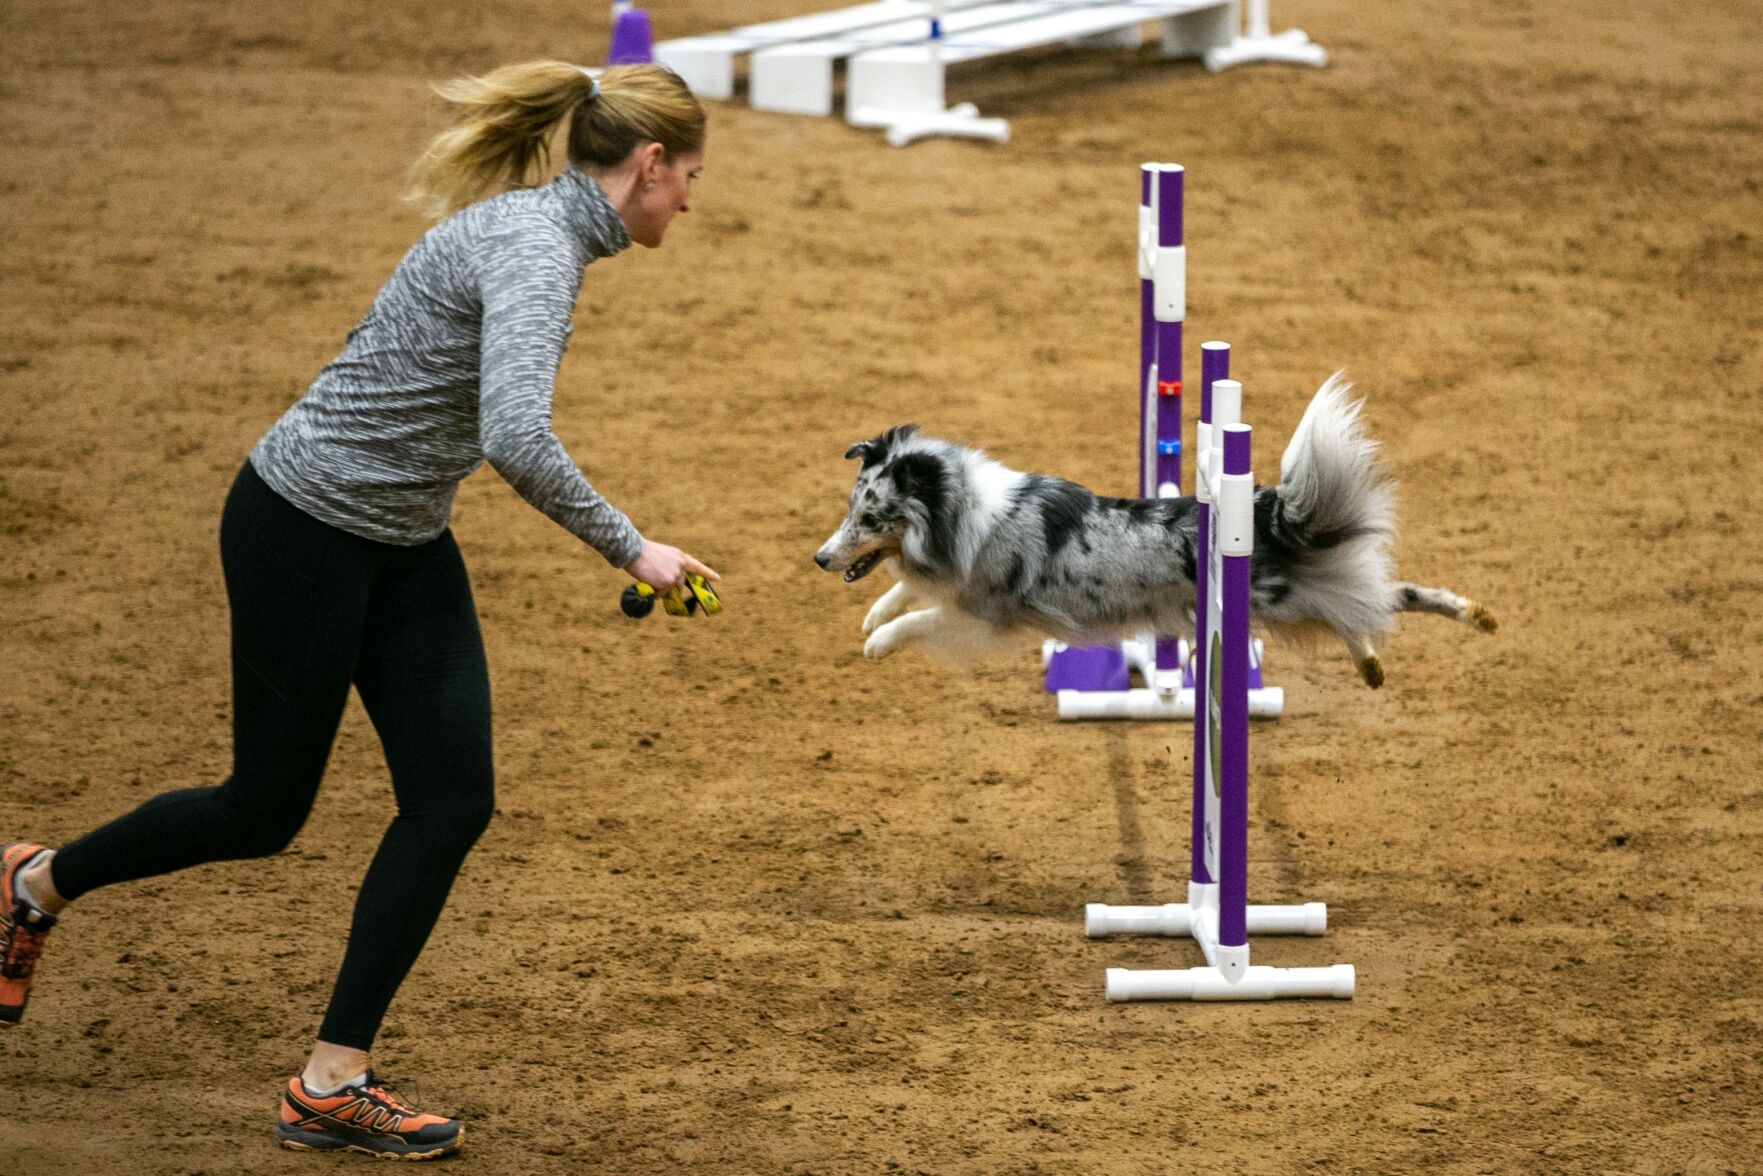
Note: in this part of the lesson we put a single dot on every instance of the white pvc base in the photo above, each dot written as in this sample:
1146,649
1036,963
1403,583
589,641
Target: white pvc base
909,126
1228,974
1164,697
1291,47
1176,920
1257,983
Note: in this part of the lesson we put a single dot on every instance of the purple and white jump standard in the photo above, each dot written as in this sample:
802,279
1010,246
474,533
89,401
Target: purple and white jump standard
1217,914
1096,682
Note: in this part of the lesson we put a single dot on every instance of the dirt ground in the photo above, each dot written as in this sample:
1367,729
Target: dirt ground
755,905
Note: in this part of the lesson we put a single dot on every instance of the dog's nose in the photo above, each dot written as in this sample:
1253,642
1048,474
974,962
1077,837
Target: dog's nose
821,560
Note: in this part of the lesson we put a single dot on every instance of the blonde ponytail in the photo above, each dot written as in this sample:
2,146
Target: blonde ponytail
506,120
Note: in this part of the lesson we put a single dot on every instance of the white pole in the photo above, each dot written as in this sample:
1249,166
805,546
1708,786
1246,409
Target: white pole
1260,27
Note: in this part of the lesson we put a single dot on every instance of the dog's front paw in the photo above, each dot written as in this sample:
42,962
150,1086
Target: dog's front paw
887,606
881,643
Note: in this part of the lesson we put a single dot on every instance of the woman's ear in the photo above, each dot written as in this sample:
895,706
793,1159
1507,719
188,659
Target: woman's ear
650,157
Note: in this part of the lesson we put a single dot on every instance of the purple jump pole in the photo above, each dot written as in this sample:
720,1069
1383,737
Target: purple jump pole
1169,308
1147,332
1104,668
1214,365
1234,537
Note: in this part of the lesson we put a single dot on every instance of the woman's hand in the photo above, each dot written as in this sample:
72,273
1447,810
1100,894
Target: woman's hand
663,567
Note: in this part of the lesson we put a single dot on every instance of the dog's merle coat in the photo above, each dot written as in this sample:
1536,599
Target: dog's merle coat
995,553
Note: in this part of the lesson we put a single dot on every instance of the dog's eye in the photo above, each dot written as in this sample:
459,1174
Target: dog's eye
870,521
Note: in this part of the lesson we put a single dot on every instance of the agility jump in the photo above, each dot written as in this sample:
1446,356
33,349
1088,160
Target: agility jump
896,53
1217,914
1095,682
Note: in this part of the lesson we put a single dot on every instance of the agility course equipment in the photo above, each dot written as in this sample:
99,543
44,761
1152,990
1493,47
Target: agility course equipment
1095,682
1217,914
897,53
1259,43
633,40
903,125
708,63
895,85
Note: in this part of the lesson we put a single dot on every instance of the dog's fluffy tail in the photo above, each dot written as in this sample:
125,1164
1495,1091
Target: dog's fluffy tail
1337,515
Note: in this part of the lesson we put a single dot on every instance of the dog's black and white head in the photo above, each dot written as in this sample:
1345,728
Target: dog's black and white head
900,487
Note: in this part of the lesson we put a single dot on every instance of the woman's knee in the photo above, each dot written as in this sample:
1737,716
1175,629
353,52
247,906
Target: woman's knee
461,813
477,804
265,834
256,826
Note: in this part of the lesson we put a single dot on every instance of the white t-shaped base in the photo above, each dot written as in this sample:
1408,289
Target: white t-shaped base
1228,975
1291,47
909,126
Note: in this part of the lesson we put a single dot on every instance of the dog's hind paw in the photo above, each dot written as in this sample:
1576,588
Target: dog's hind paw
1371,669
1478,615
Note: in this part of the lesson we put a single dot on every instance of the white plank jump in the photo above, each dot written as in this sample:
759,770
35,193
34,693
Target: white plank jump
910,77
897,70
707,63
799,78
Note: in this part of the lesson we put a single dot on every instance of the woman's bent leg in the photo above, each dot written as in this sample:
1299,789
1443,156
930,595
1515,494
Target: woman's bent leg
298,593
425,684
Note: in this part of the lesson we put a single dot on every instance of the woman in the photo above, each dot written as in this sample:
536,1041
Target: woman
340,567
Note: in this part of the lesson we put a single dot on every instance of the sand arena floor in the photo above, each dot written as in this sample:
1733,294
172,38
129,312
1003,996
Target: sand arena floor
754,905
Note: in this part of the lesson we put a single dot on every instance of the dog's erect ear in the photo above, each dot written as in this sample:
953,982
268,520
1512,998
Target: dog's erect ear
877,448
918,475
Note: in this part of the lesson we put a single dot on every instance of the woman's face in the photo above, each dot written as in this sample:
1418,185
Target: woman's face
664,193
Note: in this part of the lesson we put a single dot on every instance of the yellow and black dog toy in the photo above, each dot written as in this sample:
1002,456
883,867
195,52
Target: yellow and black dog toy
638,600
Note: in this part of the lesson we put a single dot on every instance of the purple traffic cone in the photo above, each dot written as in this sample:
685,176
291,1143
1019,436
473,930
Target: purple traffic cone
632,39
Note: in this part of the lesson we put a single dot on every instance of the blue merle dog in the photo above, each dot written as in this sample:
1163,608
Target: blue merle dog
986,556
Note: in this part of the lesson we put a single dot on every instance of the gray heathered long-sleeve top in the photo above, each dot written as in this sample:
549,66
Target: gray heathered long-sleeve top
456,364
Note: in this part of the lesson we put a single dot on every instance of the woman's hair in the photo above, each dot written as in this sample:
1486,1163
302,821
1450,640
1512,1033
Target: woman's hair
506,119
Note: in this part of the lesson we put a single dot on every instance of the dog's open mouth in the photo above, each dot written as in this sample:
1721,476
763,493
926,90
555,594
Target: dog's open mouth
862,566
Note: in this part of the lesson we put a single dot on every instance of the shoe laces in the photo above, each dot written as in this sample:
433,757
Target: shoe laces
390,1090
23,946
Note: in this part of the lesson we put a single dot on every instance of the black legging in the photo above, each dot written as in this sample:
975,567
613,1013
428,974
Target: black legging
315,608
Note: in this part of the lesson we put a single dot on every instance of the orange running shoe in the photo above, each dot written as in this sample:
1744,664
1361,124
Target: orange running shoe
366,1118
23,928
